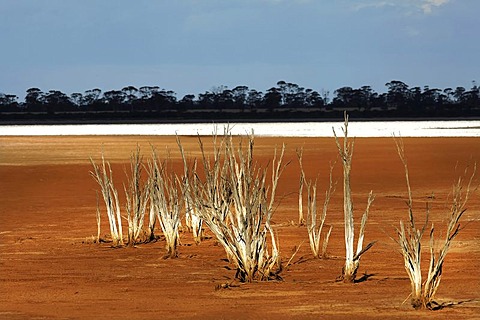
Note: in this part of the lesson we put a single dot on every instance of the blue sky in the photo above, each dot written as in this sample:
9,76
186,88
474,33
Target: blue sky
191,46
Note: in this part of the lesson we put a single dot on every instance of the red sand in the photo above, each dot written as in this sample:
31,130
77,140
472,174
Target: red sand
50,269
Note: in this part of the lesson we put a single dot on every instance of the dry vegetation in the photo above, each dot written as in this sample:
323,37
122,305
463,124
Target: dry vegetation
165,202
102,173
236,203
50,269
352,258
234,196
410,239
314,223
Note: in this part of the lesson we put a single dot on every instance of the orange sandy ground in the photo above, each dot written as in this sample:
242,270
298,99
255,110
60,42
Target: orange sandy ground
49,267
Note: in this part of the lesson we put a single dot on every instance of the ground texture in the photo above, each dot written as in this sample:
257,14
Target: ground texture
50,269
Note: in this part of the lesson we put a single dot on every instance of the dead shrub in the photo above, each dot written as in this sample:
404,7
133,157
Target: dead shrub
236,203
410,239
103,175
166,202
315,224
352,257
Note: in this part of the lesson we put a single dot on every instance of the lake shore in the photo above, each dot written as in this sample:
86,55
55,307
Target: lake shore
451,128
50,268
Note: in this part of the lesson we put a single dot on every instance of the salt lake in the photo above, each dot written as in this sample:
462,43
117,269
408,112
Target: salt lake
464,128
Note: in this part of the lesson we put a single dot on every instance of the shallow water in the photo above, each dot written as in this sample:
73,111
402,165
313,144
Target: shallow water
470,128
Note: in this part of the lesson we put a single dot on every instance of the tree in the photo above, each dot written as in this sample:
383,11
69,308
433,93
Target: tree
415,98
297,98
130,96
187,102
56,100
77,99
472,98
239,96
254,99
91,98
397,95
459,94
448,92
34,99
147,92
325,96
272,99
432,99
343,97
364,97
224,99
8,103
163,100
292,95
206,100
399,100
114,98
313,99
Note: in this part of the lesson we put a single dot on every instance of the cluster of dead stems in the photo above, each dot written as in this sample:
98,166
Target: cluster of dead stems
193,220
159,195
234,196
314,224
236,202
103,175
165,202
410,239
137,195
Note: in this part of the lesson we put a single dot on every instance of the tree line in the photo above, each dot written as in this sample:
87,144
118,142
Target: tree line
285,100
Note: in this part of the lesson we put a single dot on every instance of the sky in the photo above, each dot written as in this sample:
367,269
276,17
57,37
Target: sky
193,46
